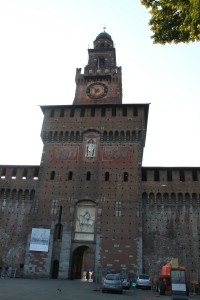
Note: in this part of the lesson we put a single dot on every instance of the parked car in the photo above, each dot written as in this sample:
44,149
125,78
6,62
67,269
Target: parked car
126,281
112,283
143,281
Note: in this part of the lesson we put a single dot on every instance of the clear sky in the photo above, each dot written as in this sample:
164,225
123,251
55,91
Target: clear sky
42,42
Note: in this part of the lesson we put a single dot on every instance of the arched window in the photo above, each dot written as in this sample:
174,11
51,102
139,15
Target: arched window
105,136
111,136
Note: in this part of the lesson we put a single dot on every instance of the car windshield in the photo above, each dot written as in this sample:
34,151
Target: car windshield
112,277
144,277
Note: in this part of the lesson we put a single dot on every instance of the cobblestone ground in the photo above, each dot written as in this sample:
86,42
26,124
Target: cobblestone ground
49,289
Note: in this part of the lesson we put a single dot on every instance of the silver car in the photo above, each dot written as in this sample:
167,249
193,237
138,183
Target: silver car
112,283
143,281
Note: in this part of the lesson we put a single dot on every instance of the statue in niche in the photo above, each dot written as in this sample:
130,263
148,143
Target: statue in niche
90,148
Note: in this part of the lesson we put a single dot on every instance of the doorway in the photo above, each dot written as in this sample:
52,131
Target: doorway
55,269
82,261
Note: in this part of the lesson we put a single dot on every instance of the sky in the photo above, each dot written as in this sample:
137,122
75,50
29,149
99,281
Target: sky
42,42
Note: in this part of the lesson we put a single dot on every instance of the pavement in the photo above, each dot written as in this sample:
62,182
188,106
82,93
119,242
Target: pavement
53,289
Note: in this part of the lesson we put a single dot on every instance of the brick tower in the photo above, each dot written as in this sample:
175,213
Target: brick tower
87,211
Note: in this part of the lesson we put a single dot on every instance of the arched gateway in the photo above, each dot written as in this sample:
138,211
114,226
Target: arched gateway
82,262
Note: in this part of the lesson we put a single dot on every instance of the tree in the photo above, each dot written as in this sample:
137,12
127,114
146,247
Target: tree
174,21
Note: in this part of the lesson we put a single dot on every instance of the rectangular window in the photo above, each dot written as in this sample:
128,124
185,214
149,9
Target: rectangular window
169,175
182,175
194,175
93,112
156,175
82,113
72,112
103,111
144,175
114,112
118,209
135,111
124,112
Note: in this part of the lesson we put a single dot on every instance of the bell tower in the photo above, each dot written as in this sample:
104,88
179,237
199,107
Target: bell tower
101,82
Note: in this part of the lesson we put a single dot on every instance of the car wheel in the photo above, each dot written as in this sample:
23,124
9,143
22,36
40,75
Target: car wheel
103,291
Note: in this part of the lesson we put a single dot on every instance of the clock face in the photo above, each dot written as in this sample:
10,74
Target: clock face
97,90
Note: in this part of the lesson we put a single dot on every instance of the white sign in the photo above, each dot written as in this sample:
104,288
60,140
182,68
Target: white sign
39,239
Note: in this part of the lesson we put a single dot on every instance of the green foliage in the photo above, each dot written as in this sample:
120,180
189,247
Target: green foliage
174,21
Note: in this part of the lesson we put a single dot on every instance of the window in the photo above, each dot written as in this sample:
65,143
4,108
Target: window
144,175
93,112
107,176
135,111
118,209
103,111
82,113
70,175
62,113
182,175
194,175
124,112
52,176
114,112
156,175
125,176
88,176
72,112
169,175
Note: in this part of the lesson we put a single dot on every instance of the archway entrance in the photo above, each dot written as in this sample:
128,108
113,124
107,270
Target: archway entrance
82,261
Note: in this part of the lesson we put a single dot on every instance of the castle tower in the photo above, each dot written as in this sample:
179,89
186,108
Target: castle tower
101,82
89,190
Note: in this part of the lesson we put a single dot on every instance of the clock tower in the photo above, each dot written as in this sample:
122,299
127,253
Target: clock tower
101,82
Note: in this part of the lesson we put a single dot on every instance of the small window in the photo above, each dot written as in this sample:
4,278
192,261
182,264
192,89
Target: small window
194,175
144,175
72,112
70,175
93,112
103,111
107,176
24,176
114,112
182,175
156,175
88,176
52,113
135,111
52,176
124,111
125,176
118,209
169,175
62,113
82,113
